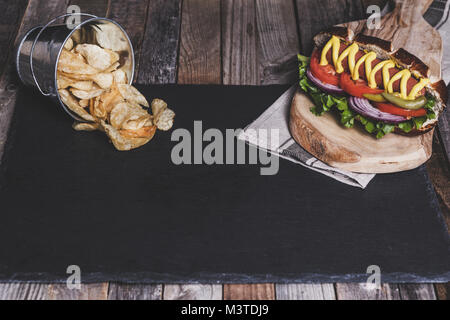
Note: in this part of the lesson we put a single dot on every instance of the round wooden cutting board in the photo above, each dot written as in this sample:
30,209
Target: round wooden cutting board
352,148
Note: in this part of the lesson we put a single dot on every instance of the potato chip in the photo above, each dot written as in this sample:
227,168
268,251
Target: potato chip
119,114
123,143
69,44
144,132
158,106
120,77
136,124
131,94
99,110
164,120
110,37
63,82
72,103
85,126
84,103
104,80
113,67
97,57
84,94
92,86
72,63
110,98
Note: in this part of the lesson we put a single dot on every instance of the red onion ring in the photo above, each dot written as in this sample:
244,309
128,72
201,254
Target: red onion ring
363,107
329,88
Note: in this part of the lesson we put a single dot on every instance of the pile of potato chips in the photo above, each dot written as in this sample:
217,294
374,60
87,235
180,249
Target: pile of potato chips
92,84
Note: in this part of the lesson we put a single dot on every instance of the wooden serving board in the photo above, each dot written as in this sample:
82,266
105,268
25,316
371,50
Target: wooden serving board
354,149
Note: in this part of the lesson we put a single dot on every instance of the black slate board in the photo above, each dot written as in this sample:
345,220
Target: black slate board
69,198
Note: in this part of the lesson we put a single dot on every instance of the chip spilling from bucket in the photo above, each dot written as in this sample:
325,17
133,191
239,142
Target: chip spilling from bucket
92,84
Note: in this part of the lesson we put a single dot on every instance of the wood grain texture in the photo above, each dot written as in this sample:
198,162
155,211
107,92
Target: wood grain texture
200,53
239,43
315,16
360,291
158,56
92,291
263,291
95,7
417,291
300,291
192,292
132,16
10,18
259,46
123,291
23,291
443,291
278,43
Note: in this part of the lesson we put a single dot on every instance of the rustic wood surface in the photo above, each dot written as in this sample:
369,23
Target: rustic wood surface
245,42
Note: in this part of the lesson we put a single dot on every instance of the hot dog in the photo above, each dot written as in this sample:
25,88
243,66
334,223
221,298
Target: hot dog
386,90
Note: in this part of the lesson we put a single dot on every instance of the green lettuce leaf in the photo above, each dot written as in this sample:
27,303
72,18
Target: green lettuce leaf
324,102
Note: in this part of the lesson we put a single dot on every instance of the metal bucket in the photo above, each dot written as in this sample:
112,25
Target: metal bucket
38,52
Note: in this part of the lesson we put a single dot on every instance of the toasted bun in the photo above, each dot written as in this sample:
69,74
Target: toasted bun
403,58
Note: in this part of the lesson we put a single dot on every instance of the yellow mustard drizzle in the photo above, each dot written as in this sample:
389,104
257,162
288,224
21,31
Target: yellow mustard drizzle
335,43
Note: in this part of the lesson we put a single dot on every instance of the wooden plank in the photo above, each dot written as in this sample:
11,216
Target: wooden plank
123,291
199,62
95,7
314,16
264,291
92,291
239,46
10,18
442,290
23,291
302,291
158,62
200,54
417,291
132,16
259,46
192,292
278,42
360,291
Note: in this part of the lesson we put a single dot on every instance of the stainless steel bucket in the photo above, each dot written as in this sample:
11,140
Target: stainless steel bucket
38,52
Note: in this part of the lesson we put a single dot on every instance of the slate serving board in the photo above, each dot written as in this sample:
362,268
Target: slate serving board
69,198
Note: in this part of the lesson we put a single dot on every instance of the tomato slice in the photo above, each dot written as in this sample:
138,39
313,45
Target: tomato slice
356,88
326,74
390,108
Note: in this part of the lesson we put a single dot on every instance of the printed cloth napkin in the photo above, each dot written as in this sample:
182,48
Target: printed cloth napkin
277,115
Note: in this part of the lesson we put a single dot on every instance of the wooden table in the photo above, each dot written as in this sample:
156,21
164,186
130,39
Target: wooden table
210,41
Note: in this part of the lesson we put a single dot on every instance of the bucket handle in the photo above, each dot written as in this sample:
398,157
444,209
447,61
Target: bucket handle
37,37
